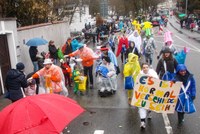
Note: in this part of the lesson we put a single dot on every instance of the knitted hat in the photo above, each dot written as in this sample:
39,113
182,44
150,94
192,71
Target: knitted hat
167,50
20,66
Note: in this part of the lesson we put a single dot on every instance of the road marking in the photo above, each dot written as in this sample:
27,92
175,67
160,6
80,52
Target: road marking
180,46
167,124
99,132
188,43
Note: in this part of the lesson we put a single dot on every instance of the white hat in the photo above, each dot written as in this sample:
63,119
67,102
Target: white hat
47,61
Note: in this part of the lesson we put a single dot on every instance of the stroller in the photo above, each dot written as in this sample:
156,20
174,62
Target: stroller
104,83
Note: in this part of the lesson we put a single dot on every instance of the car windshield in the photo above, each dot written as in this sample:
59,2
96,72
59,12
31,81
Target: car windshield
164,12
156,18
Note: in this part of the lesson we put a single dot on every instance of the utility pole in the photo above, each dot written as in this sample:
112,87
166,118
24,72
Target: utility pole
80,8
186,5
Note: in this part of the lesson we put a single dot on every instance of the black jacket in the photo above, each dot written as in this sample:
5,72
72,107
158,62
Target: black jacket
68,49
170,64
15,80
53,51
33,52
130,50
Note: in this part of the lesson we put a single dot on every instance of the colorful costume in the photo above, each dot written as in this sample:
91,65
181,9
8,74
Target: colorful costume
131,68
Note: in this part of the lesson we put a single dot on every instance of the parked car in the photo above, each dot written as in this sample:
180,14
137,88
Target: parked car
155,20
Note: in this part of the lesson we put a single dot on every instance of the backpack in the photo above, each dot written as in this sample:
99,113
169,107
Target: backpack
148,48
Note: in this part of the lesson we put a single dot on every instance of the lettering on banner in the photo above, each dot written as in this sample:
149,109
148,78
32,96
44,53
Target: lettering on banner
154,94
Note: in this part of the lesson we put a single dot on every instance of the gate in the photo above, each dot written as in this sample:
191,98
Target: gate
4,61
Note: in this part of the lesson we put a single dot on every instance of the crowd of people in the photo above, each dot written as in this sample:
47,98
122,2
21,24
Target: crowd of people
135,43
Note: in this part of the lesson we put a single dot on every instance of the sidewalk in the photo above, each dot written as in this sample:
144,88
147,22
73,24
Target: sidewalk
174,22
4,102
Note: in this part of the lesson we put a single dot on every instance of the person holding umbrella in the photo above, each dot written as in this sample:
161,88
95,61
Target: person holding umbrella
33,51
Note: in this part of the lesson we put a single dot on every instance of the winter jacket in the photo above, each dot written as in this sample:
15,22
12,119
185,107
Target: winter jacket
171,65
33,52
15,80
67,48
130,50
53,51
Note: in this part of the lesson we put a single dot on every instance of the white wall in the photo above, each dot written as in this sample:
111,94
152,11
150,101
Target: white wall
8,27
78,25
58,32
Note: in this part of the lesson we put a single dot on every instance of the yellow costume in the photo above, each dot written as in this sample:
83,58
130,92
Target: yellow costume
131,68
147,28
137,26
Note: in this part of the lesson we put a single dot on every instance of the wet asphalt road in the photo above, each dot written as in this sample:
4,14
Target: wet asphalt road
114,116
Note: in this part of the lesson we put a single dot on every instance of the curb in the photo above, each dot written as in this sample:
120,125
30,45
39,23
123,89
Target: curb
184,33
177,21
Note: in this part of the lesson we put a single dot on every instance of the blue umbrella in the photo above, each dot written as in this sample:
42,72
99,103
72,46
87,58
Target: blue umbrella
36,42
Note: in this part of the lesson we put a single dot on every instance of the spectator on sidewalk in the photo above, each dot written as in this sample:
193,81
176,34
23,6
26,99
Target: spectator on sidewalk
53,51
16,82
33,51
67,48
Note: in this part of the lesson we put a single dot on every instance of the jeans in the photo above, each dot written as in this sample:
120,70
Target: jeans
35,66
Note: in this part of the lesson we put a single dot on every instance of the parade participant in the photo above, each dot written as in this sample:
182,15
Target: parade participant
75,76
52,76
137,26
132,49
66,71
187,94
148,49
131,69
88,56
112,41
106,77
15,81
166,65
161,28
31,89
108,53
136,38
53,51
143,112
122,47
33,55
168,43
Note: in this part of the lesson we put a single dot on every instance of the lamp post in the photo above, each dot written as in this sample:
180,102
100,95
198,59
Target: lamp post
186,5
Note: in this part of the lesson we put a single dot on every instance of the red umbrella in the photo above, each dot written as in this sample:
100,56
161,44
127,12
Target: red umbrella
39,114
